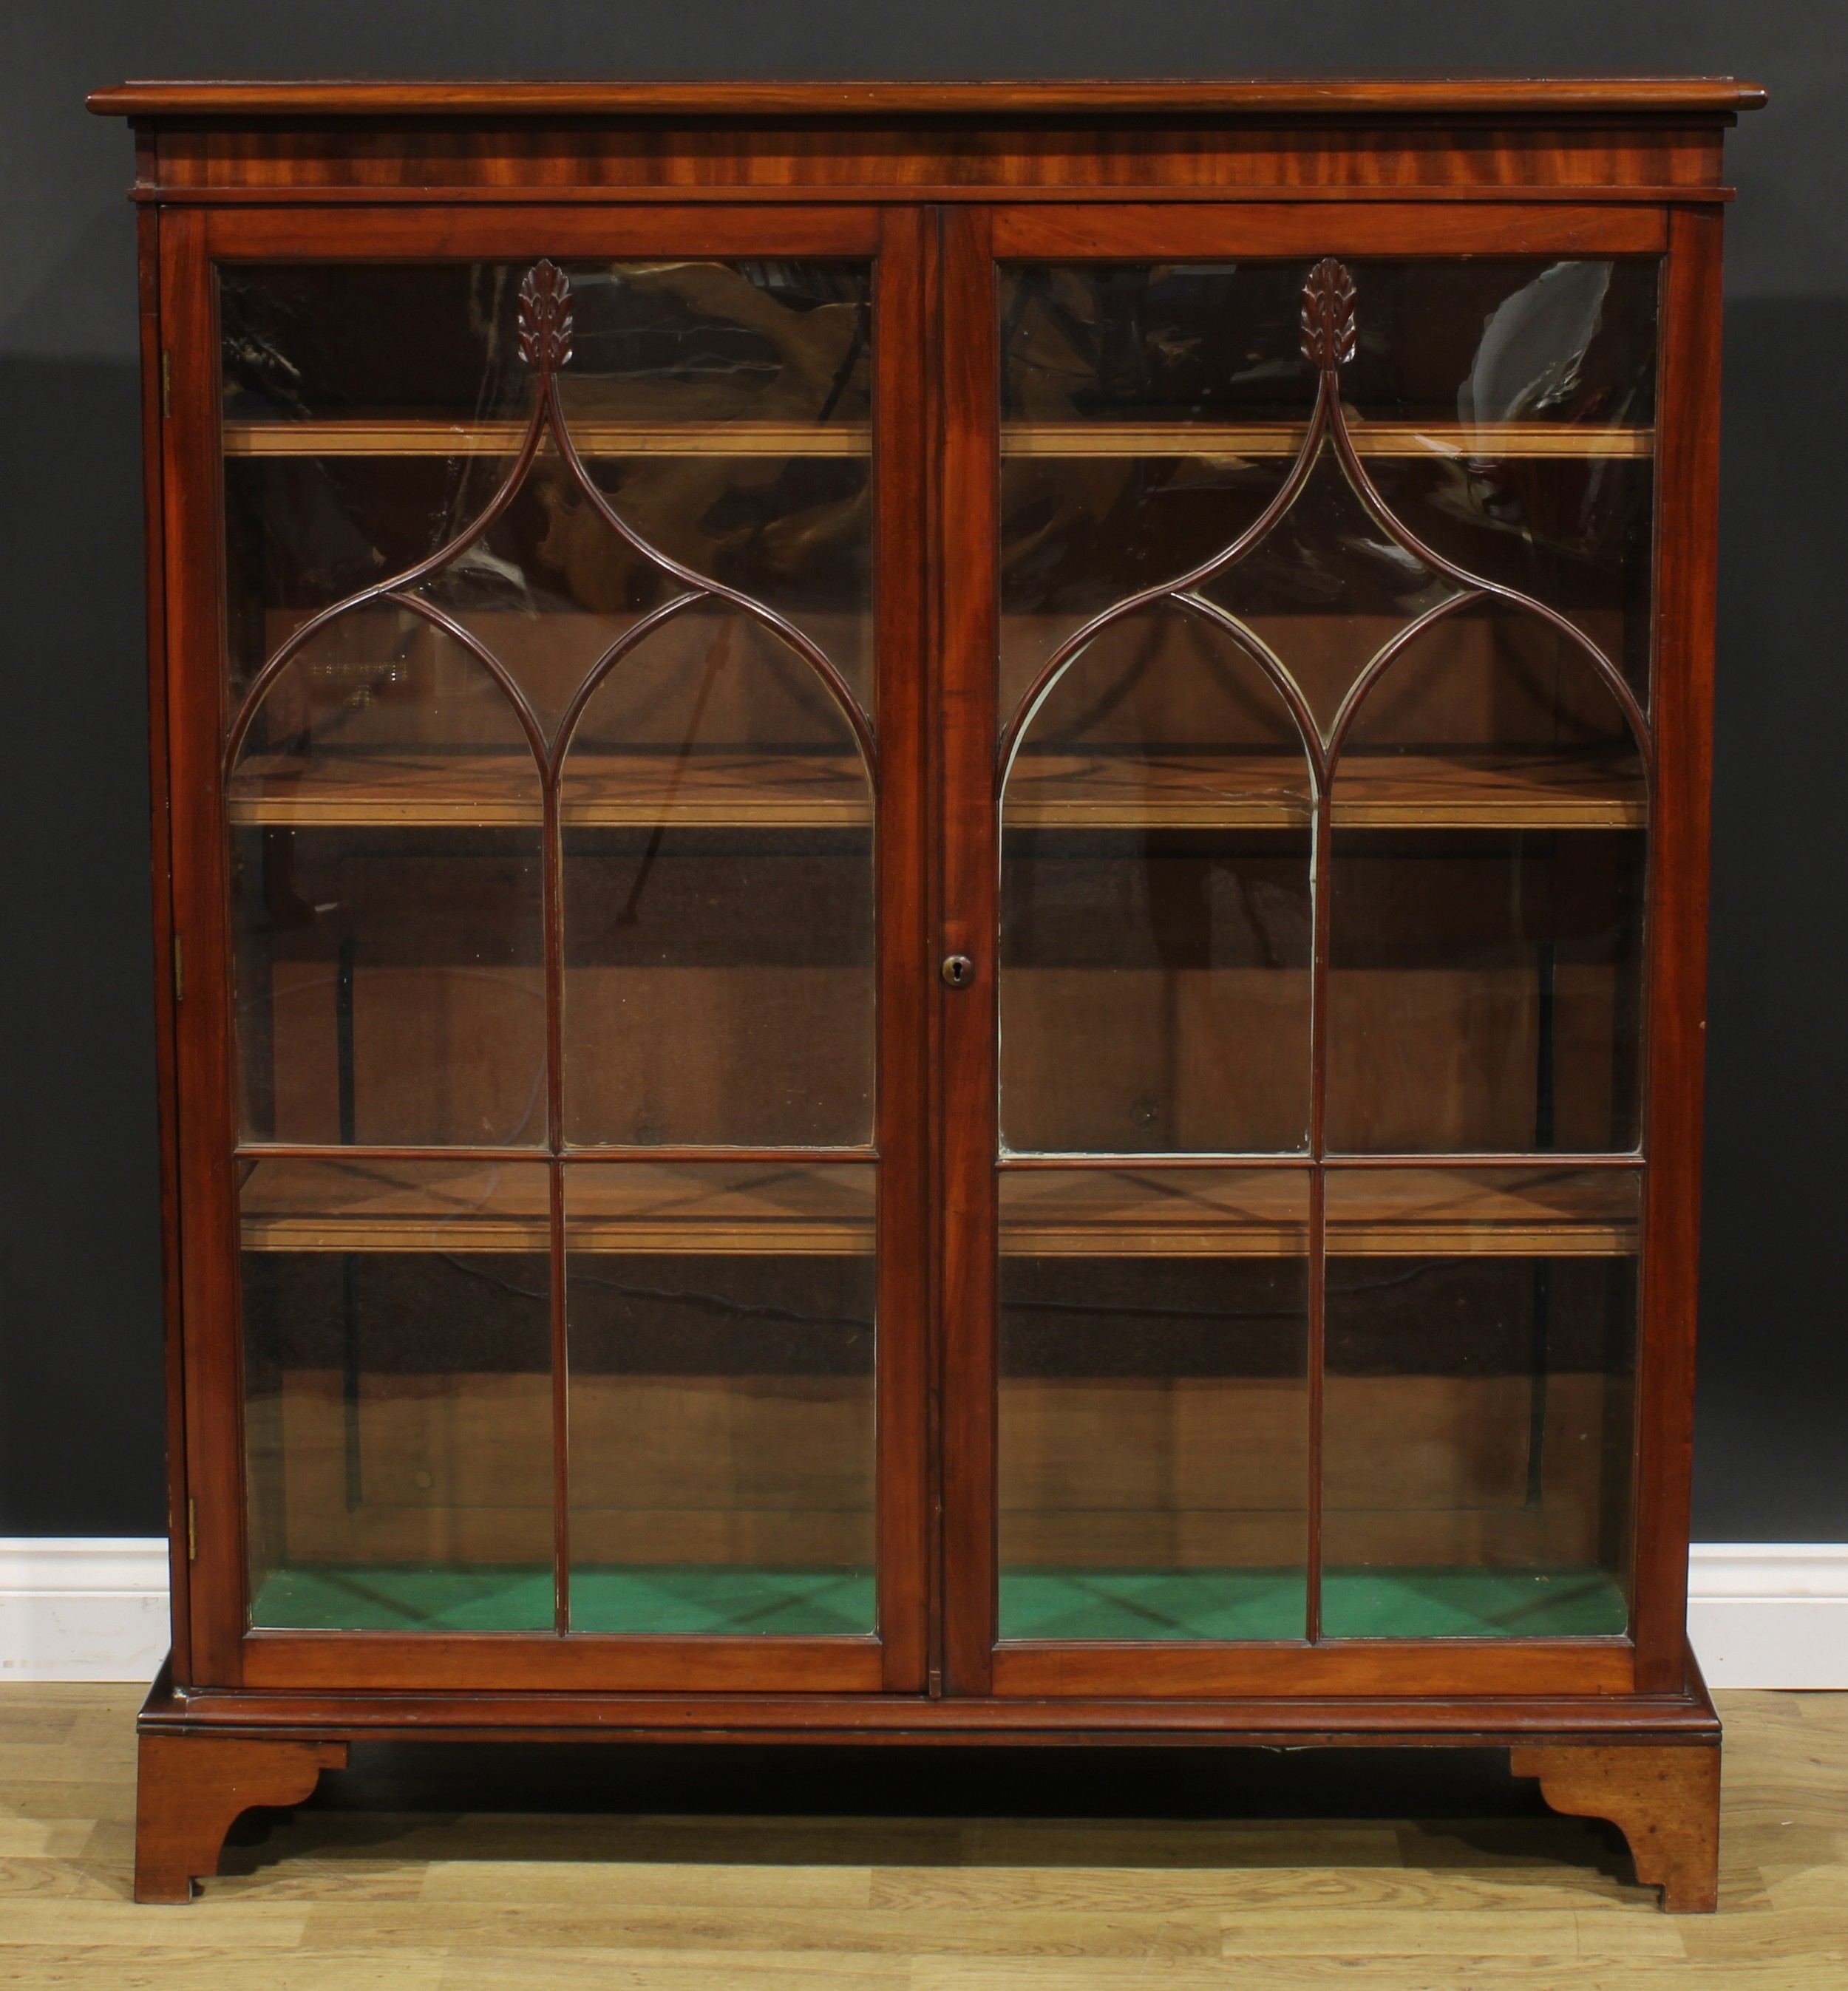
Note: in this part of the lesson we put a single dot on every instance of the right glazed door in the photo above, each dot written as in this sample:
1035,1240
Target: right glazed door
1299,833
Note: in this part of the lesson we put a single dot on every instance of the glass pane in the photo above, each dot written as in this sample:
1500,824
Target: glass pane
397,1395
1154,1403
718,893
721,1399
1505,407
722,407
1478,1402
397,961
1155,919
386,877
1488,893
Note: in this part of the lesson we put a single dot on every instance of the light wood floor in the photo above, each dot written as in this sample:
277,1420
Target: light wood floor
362,1890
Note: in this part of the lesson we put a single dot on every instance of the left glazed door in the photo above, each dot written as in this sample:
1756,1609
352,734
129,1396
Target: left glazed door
546,860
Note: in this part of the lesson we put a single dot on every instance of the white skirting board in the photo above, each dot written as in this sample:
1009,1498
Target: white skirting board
1763,1613
82,1608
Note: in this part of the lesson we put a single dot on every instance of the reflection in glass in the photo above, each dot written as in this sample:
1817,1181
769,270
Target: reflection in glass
1155,924
397,1414
1152,1416
1505,407
370,410
1484,880
1478,1405
721,1398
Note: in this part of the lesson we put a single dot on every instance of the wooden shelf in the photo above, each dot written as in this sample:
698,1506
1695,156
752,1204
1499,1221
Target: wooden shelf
365,437
1542,789
1168,1212
728,1208
434,789
295,1204
1490,442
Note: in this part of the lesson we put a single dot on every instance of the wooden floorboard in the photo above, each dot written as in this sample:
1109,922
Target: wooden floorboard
359,1890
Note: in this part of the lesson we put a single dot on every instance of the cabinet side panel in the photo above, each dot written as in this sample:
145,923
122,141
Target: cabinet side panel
203,1018
153,426
1687,562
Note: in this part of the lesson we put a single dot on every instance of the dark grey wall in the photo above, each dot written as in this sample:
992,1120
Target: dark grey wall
79,1380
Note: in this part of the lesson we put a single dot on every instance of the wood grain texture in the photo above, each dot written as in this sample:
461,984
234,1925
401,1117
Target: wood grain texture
694,1900
188,1793
487,163
1444,139
1664,1802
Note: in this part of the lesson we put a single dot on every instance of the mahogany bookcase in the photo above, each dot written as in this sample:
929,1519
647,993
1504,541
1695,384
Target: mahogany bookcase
931,877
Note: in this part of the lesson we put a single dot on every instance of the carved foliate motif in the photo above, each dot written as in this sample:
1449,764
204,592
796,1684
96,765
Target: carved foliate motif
545,317
1328,326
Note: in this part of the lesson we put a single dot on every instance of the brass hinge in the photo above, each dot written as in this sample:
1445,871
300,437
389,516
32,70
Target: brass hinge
166,384
179,971
192,1531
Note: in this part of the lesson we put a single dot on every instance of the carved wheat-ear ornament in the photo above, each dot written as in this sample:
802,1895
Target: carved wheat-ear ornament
1330,332
545,318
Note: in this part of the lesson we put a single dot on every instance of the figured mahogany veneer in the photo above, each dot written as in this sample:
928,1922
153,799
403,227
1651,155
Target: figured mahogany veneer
936,184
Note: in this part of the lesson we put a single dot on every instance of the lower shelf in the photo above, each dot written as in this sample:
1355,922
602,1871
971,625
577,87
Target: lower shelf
715,1599
1401,1602
712,1599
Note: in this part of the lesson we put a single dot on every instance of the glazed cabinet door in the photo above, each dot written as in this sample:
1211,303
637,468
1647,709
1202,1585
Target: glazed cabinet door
546,732
1301,639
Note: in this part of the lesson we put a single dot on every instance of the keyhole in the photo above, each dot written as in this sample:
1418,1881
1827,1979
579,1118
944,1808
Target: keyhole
958,971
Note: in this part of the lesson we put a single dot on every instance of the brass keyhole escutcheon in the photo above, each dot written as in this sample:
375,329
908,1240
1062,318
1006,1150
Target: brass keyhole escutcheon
958,971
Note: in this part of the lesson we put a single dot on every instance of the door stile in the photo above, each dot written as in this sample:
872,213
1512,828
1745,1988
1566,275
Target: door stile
901,415
1686,558
930,762
212,1354
969,927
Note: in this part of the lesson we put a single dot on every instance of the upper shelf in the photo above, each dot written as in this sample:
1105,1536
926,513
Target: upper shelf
372,1203
1213,439
595,438
1535,790
369,437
